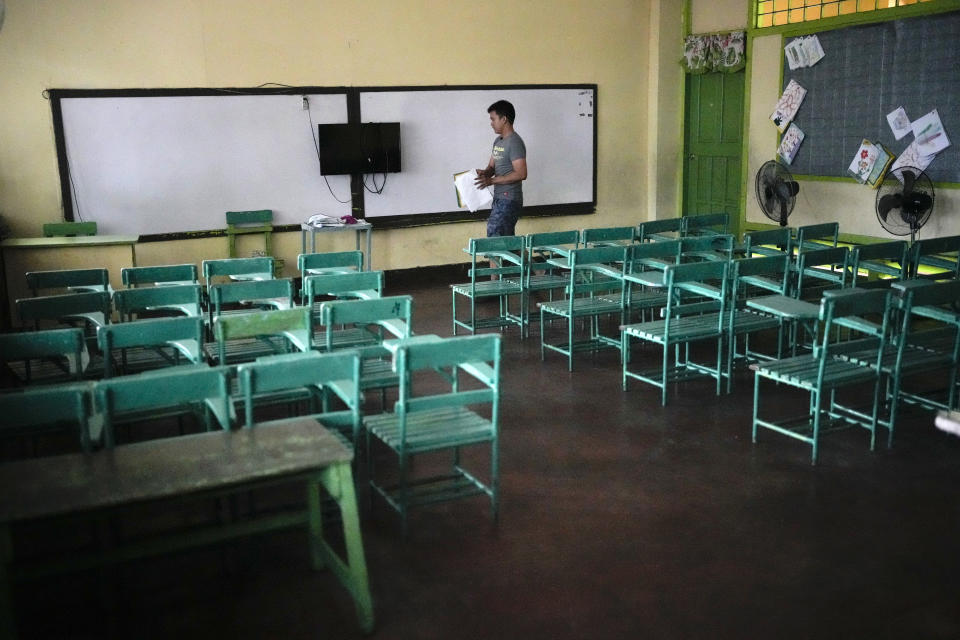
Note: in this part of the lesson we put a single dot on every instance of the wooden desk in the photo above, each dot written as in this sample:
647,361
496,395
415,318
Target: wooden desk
360,227
19,255
291,450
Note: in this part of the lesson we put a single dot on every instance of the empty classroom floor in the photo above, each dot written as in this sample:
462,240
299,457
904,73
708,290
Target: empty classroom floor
620,519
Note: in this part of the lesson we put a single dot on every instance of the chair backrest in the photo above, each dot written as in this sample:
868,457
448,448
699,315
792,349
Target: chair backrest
159,274
92,306
707,247
811,263
933,300
607,261
48,406
182,299
507,251
393,313
848,308
826,232
547,240
607,235
651,230
280,291
939,253
655,255
477,356
178,387
361,284
62,229
251,268
339,372
260,217
184,334
768,242
708,279
886,258
308,263
771,273
62,344
705,224
92,279
290,324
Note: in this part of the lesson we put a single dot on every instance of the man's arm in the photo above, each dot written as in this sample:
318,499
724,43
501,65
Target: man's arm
519,173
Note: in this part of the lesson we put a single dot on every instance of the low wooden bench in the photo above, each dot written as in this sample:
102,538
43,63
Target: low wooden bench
290,450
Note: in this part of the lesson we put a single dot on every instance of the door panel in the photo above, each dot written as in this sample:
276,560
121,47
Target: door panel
713,143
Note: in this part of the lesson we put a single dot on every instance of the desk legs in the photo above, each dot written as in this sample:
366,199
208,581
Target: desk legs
338,481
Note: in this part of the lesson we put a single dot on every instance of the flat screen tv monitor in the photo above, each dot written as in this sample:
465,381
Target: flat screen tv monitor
370,147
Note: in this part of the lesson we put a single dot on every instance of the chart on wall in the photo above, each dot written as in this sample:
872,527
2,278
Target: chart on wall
447,131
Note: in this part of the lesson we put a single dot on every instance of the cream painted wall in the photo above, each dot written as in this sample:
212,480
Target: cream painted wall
186,43
851,204
707,16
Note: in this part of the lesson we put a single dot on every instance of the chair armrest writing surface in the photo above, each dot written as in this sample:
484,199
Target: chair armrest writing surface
647,278
785,307
481,371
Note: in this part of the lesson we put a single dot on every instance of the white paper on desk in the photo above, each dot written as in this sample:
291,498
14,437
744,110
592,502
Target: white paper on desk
899,122
929,134
469,195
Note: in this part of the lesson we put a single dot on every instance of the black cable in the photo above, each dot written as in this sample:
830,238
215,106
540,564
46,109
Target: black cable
316,147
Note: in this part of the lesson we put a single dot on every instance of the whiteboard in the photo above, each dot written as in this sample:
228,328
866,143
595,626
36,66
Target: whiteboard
445,131
149,164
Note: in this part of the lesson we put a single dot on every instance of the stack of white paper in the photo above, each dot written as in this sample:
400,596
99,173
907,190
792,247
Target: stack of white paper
469,195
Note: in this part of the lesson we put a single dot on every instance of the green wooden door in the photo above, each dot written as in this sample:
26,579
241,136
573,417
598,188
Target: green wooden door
712,145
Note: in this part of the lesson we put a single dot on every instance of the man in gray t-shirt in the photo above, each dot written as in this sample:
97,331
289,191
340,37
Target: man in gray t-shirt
506,171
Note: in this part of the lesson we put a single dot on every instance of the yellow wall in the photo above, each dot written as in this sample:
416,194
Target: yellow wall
708,16
212,43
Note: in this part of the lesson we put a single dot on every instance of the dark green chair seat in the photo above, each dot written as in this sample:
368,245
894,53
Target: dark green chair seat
198,389
659,230
151,344
460,410
768,242
705,224
64,407
166,274
540,273
608,236
74,280
824,372
320,379
595,290
43,357
501,280
248,336
176,299
696,310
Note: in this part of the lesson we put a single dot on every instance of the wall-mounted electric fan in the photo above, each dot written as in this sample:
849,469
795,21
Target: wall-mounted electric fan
776,191
904,201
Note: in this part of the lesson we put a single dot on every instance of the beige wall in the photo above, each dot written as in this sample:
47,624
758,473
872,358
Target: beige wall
210,43
707,16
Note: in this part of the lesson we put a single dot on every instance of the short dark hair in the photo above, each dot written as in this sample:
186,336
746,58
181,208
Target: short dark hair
503,109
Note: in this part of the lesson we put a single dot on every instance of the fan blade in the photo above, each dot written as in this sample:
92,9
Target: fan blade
888,202
909,177
917,202
787,188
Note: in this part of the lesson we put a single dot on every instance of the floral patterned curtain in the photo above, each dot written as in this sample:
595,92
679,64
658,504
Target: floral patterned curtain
714,52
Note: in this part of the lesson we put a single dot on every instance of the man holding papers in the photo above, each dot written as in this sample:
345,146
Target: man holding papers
506,171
